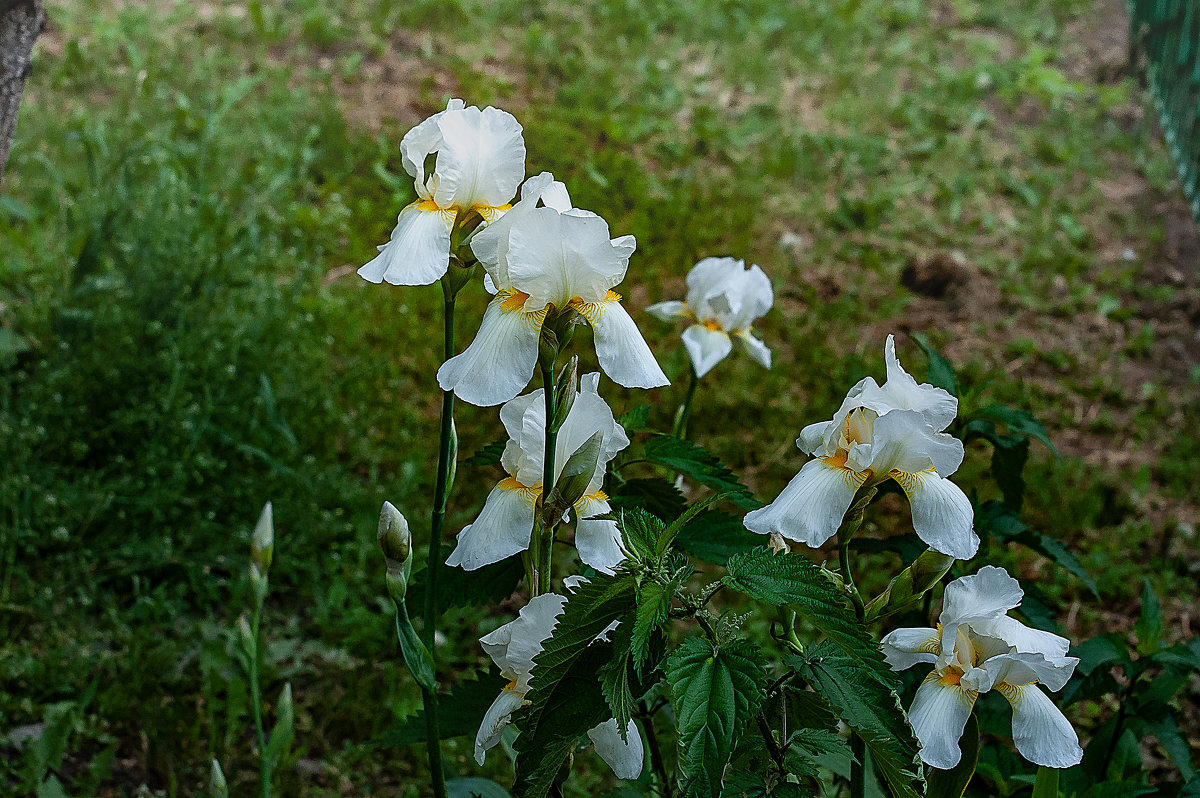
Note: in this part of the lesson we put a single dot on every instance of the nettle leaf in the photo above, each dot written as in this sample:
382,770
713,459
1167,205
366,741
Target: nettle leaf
615,677
715,690
654,494
459,713
715,536
869,708
641,531
696,463
636,418
565,697
490,584
788,578
489,454
1000,521
939,372
1018,422
653,605
1149,625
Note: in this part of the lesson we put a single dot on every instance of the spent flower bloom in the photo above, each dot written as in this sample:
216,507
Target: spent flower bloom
505,524
893,431
513,647
724,299
548,264
977,647
479,162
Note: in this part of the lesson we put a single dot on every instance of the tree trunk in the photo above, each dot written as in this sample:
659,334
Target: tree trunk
20,23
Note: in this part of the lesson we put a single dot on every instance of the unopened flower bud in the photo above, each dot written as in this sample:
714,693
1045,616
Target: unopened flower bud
262,542
396,542
566,388
217,786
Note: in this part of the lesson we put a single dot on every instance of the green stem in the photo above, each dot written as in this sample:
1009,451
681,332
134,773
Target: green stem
850,525
545,558
685,409
434,560
858,766
264,767
656,757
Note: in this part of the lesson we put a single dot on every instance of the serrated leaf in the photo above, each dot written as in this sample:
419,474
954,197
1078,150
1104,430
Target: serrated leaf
869,708
793,579
939,372
614,678
653,605
1018,422
1173,742
489,454
696,463
459,713
636,418
653,494
565,698
715,691
488,585
998,520
818,742
953,783
640,531
1149,625
715,536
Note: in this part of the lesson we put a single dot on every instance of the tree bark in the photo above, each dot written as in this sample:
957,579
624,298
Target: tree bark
20,23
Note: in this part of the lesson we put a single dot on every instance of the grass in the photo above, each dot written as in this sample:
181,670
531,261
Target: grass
181,338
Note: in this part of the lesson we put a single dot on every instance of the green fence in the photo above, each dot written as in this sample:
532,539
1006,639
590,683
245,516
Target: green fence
1167,34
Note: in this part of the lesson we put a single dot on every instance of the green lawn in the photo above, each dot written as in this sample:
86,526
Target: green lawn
182,336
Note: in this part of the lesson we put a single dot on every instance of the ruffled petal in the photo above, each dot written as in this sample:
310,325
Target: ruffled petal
942,514
1025,667
1041,732
500,361
982,596
755,348
903,648
481,160
419,250
503,528
902,440
810,509
670,310
597,541
901,392
625,757
1023,638
812,437
423,140
514,645
706,347
938,716
622,351
498,716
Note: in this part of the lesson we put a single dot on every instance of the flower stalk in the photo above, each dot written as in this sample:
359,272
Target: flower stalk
681,415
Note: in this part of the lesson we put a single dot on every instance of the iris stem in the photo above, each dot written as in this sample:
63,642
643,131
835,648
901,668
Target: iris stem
685,409
850,525
433,562
545,559
264,767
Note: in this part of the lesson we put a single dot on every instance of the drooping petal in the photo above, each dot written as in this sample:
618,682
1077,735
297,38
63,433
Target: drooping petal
502,529
810,509
755,348
500,361
498,716
905,647
938,716
419,250
812,438
1024,668
622,351
942,514
625,757
1023,638
598,541
901,392
1041,732
902,440
514,645
670,310
481,160
706,347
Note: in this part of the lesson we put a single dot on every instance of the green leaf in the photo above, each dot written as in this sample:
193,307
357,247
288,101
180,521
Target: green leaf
1173,742
939,372
696,463
565,697
1008,463
1018,422
416,655
640,531
459,713
953,783
653,605
716,536
474,787
654,494
788,578
488,455
285,727
1149,625
614,678
1001,522
488,585
869,708
715,691
636,418
1046,785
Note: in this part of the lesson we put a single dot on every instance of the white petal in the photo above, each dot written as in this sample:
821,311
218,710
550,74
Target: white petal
812,437
1024,668
481,160
706,347
902,440
810,509
490,244
498,716
755,348
938,715
670,310
514,645
942,514
901,392
622,351
1041,732
903,648
502,529
419,250
556,257
625,758
423,140
500,361
589,414
986,594
708,277
624,246
598,542
1023,638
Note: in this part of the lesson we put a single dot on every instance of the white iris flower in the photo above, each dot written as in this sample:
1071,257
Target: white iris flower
512,647
975,648
724,299
480,161
543,257
893,431
505,524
